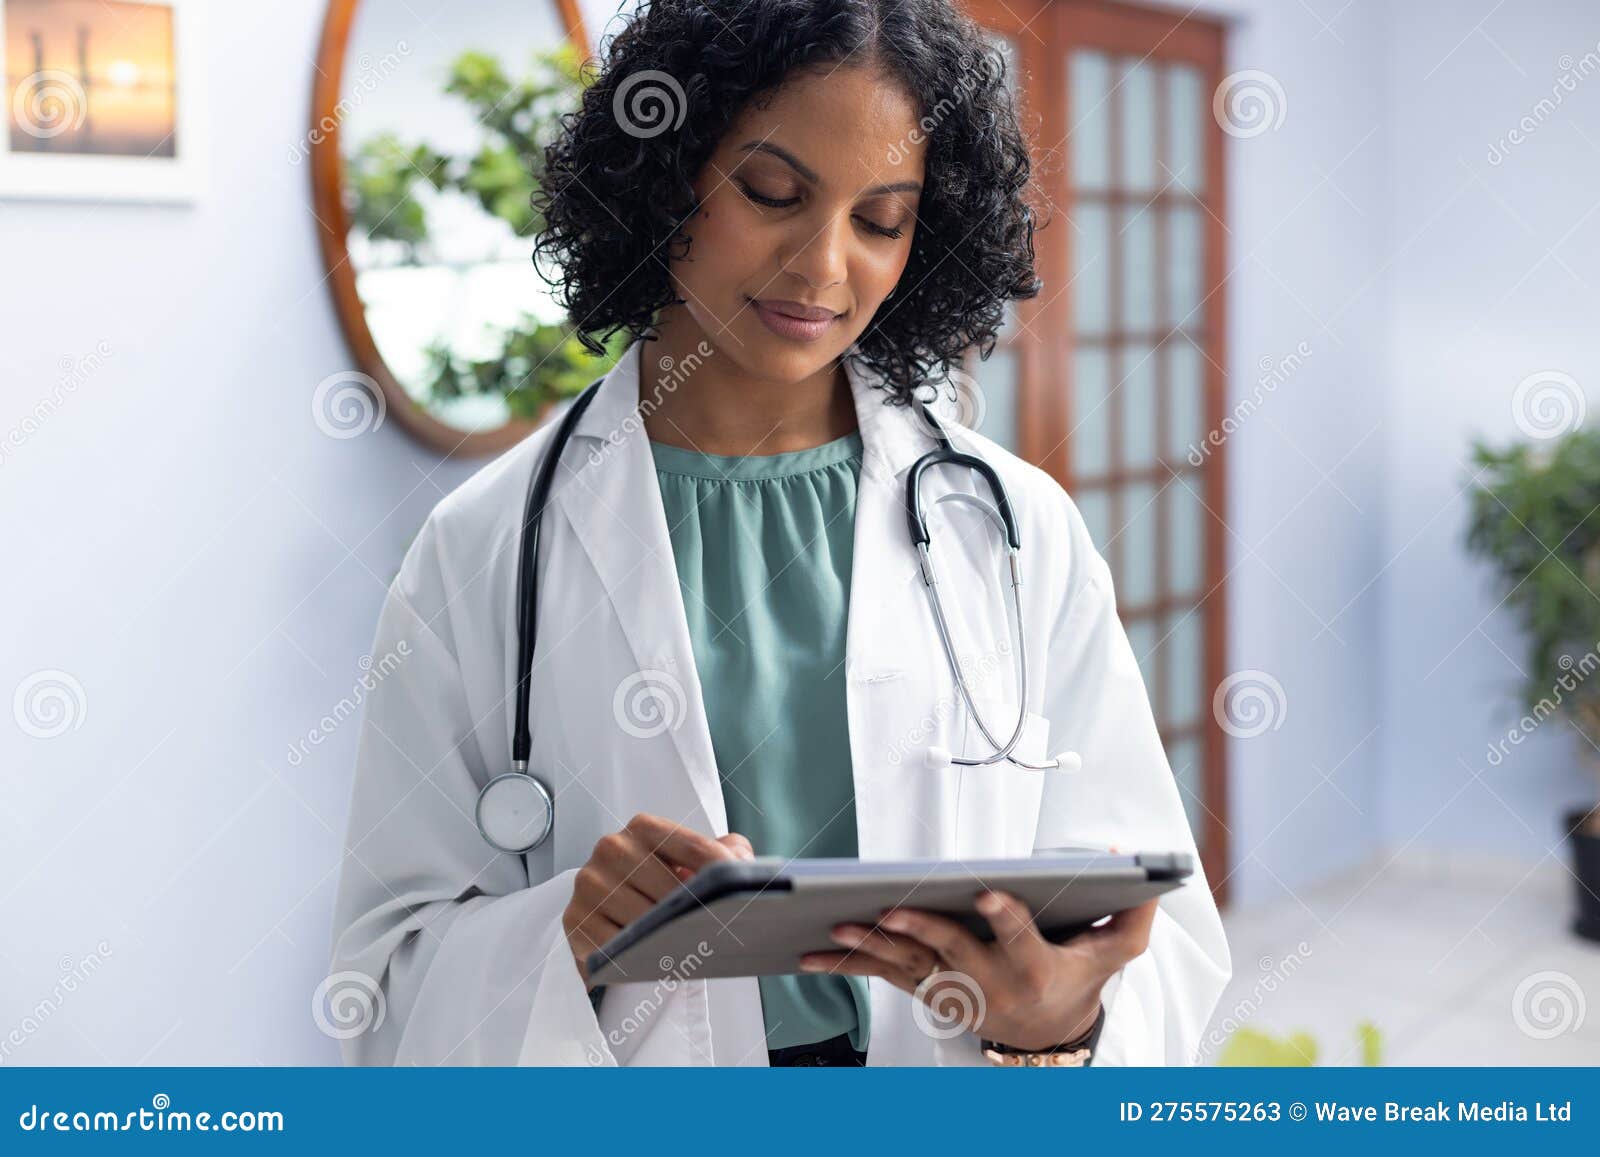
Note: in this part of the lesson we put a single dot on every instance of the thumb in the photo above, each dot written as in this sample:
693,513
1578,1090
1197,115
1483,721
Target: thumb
1124,936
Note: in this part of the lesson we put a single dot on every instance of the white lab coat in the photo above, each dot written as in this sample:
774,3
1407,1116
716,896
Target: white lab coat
467,944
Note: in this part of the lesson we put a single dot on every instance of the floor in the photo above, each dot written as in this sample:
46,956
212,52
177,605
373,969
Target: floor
1456,965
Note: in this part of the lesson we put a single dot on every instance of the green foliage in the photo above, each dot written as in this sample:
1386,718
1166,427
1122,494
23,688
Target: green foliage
1536,517
519,118
1251,1048
379,179
537,362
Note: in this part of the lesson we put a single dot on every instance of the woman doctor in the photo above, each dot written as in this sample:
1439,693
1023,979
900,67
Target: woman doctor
803,211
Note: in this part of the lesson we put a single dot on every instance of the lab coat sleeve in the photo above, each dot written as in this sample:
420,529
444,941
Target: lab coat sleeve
445,952
1158,1004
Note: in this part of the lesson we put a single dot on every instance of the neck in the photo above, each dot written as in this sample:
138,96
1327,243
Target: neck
721,409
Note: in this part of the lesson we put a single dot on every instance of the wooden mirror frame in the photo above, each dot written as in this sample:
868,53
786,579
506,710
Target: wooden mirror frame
333,227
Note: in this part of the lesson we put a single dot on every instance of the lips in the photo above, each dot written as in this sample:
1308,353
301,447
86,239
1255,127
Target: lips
791,326
800,312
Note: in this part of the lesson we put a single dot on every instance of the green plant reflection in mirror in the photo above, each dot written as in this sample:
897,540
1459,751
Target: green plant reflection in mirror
441,237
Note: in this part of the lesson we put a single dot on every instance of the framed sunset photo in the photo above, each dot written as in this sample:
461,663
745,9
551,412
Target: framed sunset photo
102,100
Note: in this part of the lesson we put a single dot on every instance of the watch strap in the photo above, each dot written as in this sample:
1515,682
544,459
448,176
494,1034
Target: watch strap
1067,1053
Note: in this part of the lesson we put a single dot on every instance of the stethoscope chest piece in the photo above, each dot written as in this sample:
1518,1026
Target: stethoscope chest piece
515,812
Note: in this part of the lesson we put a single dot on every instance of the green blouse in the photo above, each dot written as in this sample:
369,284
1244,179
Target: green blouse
763,547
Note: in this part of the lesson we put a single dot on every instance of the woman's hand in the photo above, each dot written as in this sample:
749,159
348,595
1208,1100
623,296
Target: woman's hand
629,870
1019,989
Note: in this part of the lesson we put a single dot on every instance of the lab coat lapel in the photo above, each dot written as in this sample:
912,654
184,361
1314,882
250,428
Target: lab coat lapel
608,489
890,672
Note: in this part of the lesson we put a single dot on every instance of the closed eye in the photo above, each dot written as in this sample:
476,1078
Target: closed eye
881,230
770,202
786,202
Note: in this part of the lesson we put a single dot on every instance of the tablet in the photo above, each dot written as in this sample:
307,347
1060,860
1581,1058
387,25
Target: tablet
758,917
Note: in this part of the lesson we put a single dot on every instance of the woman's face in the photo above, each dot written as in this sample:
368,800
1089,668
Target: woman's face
808,203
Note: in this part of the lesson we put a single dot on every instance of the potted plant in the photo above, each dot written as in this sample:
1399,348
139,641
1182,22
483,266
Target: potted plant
1536,517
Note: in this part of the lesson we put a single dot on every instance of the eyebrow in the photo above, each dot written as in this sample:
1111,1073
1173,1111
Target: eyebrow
805,170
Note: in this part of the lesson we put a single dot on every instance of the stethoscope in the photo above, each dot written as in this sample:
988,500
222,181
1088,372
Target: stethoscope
516,812
999,512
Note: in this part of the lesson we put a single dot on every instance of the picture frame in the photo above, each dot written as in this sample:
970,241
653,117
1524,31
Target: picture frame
103,100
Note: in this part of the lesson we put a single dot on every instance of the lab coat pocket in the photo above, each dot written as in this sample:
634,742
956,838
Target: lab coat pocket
660,1022
998,805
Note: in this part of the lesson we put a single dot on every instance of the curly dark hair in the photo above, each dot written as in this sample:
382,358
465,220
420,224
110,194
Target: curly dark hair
614,199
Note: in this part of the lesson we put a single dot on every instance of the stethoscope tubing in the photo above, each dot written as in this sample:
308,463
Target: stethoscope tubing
945,454
1001,513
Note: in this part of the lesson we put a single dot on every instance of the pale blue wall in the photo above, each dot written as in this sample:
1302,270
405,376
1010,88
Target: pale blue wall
1495,280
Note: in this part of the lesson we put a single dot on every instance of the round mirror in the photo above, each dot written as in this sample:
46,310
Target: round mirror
426,146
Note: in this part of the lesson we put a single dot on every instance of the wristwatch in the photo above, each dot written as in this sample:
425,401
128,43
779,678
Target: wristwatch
1075,1053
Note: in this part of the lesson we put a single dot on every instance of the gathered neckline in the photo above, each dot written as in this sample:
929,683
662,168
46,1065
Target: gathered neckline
755,467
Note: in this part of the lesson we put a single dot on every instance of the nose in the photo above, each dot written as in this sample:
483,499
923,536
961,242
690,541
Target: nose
822,254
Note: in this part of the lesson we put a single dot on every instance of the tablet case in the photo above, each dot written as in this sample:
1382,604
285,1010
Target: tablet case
757,917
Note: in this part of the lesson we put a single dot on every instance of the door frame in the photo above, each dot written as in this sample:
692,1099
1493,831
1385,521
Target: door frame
1044,32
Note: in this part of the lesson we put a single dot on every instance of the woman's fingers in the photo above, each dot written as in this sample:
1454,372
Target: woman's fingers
624,904
903,952
1012,921
629,870
626,859
676,843
740,846
601,889
956,946
858,964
